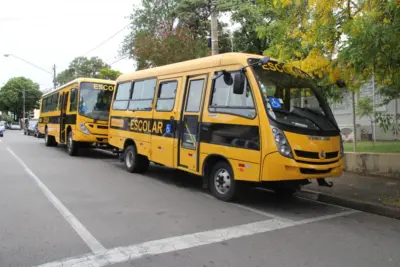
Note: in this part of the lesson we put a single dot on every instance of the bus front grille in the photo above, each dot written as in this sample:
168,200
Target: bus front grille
315,155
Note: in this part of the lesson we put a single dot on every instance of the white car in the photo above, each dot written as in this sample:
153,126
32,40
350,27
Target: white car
2,128
15,126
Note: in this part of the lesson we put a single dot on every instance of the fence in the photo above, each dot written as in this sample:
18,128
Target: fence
368,126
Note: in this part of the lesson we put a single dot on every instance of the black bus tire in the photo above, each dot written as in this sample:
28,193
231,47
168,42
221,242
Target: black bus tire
222,182
72,146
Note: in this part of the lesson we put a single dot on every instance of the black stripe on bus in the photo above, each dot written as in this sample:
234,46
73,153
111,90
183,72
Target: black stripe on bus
165,128
69,119
233,135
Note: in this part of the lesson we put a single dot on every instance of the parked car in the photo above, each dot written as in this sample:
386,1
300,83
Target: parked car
2,128
29,128
15,126
4,125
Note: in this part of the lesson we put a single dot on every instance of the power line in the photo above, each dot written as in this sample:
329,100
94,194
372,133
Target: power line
108,39
123,57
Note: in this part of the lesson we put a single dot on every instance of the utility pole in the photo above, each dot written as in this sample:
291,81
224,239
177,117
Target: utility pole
23,107
214,28
353,104
54,76
373,103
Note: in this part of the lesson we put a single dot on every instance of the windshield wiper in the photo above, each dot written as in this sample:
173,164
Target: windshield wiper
296,112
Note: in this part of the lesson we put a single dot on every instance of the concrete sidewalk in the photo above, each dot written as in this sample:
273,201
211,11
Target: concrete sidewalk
380,195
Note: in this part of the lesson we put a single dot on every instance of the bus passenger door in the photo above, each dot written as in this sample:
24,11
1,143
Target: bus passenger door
165,116
188,150
63,117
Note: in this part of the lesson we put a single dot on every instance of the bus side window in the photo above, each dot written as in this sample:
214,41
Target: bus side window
225,101
143,95
122,96
166,96
73,100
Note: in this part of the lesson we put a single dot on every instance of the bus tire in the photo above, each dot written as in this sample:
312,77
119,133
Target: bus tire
222,182
131,159
72,146
48,139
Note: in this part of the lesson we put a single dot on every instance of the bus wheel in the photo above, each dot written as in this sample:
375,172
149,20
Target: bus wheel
131,159
49,140
72,146
222,182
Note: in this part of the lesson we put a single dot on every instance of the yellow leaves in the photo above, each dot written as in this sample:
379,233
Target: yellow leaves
282,3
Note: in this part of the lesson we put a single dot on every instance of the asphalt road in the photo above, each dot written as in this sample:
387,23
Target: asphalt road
58,210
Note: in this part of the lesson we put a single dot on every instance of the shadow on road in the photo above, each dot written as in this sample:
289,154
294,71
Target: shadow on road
255,197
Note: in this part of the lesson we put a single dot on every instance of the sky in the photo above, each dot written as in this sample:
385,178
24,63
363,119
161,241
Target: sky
47,32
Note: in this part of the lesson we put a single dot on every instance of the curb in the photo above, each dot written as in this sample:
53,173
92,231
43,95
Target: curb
373,208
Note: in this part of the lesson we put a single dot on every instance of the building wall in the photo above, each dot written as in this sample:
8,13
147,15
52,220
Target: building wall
344,116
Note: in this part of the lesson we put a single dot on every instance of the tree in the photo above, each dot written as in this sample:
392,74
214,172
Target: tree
108,74
246,38
92,67
373,45
365,108
11,96
178,32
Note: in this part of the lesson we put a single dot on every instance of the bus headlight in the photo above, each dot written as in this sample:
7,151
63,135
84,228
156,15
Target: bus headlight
282,143
84,129
341,147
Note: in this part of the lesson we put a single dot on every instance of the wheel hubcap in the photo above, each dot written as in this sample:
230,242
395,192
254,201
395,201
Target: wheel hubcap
222,181
129,159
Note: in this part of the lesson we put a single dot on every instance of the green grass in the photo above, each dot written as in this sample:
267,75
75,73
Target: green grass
380,147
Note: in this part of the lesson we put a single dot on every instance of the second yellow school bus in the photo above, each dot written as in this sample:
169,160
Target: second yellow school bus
231,118
76,114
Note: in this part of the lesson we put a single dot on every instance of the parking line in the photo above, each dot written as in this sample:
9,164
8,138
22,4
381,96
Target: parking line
87,237
171,244
260,212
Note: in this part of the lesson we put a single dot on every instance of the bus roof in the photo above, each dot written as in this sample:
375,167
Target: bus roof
190,65
79,80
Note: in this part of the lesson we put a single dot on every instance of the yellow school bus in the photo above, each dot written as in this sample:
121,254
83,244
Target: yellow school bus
76,114
232,119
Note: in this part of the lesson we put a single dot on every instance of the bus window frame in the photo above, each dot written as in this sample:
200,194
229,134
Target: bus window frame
227,107
115,95
158,94
131,94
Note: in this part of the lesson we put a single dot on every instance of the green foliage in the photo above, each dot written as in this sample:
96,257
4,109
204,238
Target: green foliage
11,95
177,33
387,122
365,107
108,74
373,43
246,38
92,67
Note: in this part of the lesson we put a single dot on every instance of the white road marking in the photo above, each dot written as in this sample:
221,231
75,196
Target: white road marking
260,212
87,237
1,140
157,247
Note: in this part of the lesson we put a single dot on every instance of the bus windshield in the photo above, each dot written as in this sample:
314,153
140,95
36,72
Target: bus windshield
95,100
293,99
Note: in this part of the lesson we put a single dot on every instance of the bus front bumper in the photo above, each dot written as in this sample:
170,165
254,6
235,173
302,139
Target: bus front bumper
90,138
279,168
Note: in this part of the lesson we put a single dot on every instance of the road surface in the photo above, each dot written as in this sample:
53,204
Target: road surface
87,211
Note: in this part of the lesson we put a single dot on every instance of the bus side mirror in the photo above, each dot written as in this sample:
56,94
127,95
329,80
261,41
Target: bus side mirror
238,83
